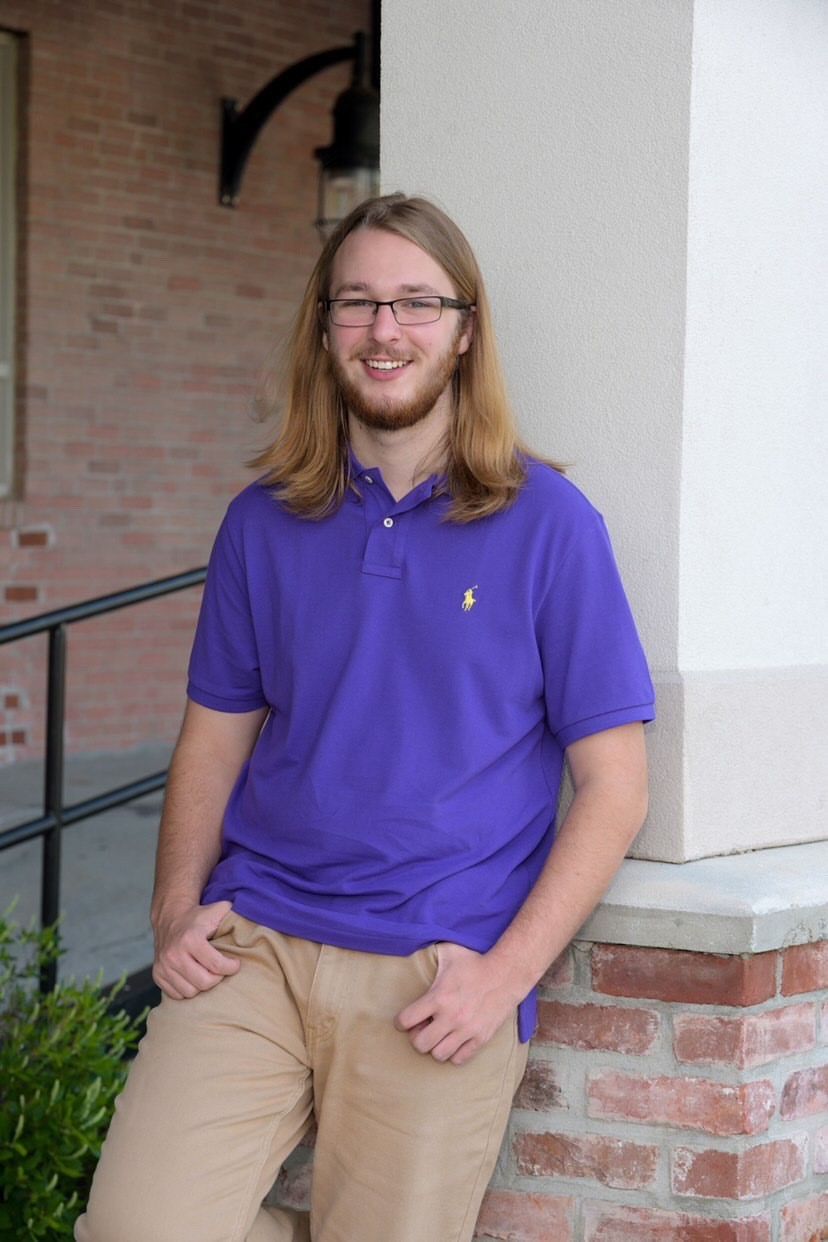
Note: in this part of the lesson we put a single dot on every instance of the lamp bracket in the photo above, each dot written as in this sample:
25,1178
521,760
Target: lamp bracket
240,128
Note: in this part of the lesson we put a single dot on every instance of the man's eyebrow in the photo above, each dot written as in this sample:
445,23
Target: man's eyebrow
360,286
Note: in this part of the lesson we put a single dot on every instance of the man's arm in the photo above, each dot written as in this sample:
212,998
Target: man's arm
211,749
473,993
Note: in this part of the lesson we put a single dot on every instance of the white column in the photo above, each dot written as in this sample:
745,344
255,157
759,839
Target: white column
645,185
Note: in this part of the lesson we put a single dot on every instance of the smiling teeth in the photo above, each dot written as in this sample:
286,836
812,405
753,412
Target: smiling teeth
384,366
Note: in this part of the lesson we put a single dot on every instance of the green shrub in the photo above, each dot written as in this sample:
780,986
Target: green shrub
62,1062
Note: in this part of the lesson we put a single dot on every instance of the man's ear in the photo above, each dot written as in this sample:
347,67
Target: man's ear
320,310
468,331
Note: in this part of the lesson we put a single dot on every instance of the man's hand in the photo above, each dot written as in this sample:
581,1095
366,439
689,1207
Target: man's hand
469,1000
185,961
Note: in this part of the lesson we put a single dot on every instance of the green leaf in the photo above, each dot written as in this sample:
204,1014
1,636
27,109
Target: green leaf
61,1067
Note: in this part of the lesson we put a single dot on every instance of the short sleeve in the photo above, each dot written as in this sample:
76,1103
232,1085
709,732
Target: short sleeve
595,671
224,669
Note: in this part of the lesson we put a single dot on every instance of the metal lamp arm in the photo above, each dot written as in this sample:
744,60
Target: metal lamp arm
240,129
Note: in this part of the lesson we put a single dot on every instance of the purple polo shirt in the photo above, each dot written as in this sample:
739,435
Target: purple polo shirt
423,680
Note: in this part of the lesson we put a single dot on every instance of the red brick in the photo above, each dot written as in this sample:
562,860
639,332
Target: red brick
184,282
149,118
13,737
805,1093
608,1027
562,971
678,975
21,593
805,1220
114,519
687,1103
750,1173
107,291
32,538
514,1216
745,1041
610,1161
540,1089
11,702
605,1222
805,968
821,1151
100,325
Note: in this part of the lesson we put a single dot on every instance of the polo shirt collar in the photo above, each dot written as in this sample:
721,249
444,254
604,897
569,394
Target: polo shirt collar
370,475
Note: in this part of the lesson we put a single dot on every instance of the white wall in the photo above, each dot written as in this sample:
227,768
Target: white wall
754,586
644,184
515,126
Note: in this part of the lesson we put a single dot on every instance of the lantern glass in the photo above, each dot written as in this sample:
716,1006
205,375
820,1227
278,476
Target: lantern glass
340,190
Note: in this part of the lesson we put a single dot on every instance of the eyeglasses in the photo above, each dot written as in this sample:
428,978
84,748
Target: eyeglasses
361,312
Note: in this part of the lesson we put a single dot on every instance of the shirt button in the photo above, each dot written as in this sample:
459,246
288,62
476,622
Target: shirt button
388,522
368,479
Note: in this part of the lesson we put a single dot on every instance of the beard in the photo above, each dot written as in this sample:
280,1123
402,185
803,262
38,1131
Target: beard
386,413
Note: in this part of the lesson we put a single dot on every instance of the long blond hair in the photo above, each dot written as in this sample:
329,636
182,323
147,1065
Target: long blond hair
308,461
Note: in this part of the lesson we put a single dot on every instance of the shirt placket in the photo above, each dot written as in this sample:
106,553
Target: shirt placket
387,523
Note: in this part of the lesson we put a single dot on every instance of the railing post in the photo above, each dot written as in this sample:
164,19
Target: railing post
53,791
56,815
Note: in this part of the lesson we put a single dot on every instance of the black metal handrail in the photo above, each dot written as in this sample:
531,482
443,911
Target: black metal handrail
56,815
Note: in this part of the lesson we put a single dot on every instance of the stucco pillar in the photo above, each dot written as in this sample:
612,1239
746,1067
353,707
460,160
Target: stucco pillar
646,187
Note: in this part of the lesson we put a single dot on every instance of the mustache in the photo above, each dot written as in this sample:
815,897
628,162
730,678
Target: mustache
387,355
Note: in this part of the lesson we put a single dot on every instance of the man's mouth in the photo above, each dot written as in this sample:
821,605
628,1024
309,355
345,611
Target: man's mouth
384,364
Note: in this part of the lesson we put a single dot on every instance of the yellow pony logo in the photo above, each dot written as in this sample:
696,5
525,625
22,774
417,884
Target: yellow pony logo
469,599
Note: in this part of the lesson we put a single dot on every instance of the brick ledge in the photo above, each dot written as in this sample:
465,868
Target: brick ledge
740,903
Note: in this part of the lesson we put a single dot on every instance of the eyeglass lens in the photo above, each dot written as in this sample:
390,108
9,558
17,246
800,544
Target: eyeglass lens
361,313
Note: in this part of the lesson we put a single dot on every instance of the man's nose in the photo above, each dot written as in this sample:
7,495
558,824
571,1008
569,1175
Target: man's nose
385,326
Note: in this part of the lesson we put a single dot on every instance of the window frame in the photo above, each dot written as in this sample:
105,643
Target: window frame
8,255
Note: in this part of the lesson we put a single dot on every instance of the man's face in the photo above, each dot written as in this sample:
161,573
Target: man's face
378,265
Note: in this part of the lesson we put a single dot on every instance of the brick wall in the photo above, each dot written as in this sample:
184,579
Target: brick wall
147,315
671,1095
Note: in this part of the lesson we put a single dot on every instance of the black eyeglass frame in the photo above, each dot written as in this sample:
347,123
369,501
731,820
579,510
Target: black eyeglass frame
444,303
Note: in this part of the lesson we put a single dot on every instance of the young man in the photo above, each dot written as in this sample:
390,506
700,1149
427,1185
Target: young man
408,622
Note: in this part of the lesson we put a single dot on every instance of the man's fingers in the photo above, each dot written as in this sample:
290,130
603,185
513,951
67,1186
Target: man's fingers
186,981
186,961
418,1014
421,1026
195,945
425,1035
465,1005
214,961
465,1052
216,912
182,974
443,1044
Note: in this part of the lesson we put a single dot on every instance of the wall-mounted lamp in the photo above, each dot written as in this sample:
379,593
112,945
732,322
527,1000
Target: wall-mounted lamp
349,166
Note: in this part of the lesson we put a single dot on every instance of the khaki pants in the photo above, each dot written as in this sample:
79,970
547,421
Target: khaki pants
226,1084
